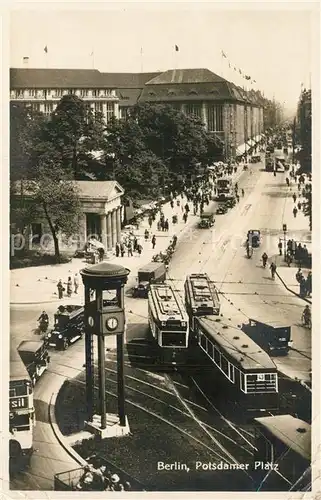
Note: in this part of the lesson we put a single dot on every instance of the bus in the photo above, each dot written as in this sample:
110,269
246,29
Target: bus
224,189
21,408
245,371
201,297
169,325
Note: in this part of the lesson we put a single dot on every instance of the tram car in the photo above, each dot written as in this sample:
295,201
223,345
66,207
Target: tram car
201,297
240,365
21,408
68,327
283,457
169,325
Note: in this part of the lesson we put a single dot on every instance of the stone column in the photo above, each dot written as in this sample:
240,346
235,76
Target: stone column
103,227
113,228
109,244
82,235
204,114
118,223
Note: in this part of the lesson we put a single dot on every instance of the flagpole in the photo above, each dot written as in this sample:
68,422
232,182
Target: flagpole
141,60
93,59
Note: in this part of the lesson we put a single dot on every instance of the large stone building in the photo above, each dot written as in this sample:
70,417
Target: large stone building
233,115
101,217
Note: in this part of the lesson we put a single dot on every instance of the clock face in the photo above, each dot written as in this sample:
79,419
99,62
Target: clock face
91,321
112,323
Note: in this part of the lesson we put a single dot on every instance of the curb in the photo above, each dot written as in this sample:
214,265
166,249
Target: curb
59,436
292,291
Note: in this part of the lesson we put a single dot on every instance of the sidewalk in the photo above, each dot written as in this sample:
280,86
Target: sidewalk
38,285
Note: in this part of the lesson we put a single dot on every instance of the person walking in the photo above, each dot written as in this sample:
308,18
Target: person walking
146,234
294,197
295,211
122,249
117,249
166,225
150,222
273,269
154,241
139,249
130,249
280,246
60,289
185,217
308,284
76,283
172,204
243,193
69,287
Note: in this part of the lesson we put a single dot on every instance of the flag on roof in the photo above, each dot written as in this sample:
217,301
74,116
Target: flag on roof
223,54
46,49
176,48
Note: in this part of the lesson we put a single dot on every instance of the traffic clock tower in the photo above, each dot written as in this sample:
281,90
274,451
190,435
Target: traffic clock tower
104,316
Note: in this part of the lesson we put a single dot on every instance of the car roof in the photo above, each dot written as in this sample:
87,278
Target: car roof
30,345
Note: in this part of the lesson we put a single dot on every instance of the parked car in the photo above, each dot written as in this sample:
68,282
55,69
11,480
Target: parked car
221,209
207,220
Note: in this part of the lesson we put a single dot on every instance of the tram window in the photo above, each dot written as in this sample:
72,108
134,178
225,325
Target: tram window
242,382
224,366
217,356
232,372
20,422
204,342
210,349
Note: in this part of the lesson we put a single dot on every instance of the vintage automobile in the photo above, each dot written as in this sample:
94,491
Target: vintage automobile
68,327
273,336
207,220
221,209
154,272
254,237
35,358
230,203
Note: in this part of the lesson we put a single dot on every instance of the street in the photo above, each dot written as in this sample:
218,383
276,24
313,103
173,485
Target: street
246,291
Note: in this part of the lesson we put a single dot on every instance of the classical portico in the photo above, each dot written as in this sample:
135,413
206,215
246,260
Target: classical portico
101,211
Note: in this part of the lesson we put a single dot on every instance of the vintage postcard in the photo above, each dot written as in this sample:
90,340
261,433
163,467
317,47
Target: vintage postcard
162,313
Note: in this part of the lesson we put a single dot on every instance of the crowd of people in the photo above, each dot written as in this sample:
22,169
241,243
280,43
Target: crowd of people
305,283
70,287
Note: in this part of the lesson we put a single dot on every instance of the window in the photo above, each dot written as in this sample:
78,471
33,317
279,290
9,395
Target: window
204,342
217,357
193,110
48,108
215,117
210,349
98,107
232,373
109,110
224,365
84,93
32,93
242,382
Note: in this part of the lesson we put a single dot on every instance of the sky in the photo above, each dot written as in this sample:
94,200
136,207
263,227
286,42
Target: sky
272,46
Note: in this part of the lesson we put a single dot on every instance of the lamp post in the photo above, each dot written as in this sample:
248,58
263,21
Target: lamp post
104,316
284,238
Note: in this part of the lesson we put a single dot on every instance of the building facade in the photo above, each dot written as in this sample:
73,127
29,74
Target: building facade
234,116
101,214
42,89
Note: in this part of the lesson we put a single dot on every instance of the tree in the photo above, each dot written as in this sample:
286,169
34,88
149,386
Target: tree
307,206
58,198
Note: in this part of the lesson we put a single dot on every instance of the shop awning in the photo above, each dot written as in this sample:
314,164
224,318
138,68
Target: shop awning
240,150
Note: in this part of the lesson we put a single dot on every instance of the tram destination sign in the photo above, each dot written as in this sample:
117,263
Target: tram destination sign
18,403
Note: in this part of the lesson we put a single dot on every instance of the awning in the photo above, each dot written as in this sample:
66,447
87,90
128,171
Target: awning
251,143
240,150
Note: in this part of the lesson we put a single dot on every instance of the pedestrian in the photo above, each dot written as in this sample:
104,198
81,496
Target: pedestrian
130,249
243,192
146,234
69,286
308,283
288,258
117,249
166,225
294,197
150,222
60,289
172,204
186,207
295,211
101,253
303,287
237,197
135,243
299,254
299,205
185,217
299,275
159,225
122,249
154,241
178,202
76,282
280,246
139,249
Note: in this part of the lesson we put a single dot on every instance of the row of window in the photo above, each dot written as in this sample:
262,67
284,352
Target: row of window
249,383
98,107
60,92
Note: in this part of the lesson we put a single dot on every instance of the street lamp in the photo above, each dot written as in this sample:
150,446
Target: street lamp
284,233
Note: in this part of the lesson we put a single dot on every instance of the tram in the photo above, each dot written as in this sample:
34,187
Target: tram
21,409
169,325
239,364
284,442
201,297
